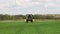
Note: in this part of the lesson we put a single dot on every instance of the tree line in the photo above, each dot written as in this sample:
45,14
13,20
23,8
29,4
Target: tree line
36,16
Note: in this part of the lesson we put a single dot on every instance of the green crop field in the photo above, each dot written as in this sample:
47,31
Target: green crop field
37,27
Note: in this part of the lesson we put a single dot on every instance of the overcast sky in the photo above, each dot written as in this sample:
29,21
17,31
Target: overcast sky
14,7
